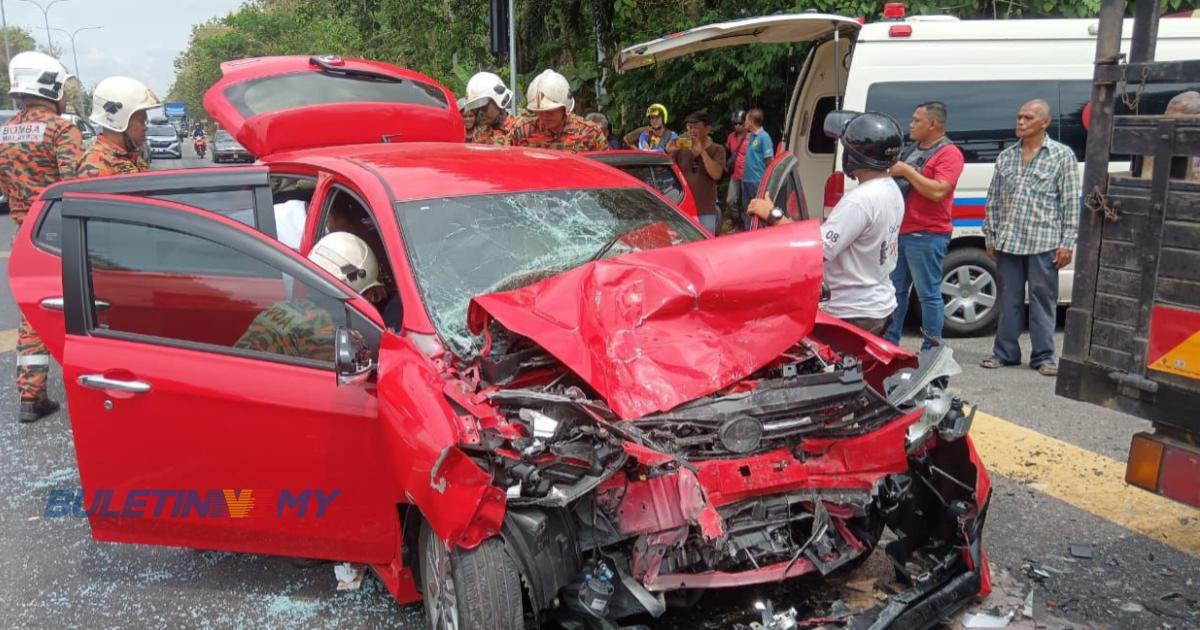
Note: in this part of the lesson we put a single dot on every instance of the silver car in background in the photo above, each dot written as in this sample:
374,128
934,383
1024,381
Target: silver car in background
163,141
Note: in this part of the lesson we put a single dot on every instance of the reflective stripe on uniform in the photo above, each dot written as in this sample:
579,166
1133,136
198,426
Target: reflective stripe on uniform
33,359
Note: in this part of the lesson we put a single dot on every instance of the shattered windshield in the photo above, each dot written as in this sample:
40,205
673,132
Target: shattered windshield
462,247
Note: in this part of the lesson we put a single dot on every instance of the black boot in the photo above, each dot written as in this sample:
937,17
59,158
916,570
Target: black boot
34,410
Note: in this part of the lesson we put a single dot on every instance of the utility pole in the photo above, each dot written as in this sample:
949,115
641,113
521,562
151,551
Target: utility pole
46,16
7,49
71,35
512,55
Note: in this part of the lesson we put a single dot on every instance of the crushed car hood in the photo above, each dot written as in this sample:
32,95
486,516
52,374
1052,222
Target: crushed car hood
654,329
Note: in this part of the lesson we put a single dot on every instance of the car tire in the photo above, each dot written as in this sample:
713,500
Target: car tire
970,292
465,589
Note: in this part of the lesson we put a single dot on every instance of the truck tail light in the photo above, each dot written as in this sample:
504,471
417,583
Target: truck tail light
835,187
1165,467
893,11
900,30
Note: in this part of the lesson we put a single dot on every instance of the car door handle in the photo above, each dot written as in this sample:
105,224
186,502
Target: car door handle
56,304
99,381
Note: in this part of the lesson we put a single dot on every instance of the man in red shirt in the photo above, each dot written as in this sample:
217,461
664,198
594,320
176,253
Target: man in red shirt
928,173
735,163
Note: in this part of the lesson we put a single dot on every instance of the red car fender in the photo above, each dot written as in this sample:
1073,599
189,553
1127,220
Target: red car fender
423,431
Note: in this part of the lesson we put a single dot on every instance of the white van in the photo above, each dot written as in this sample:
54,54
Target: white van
983,70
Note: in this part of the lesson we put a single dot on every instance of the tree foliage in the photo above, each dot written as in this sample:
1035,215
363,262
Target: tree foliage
448,40
19,41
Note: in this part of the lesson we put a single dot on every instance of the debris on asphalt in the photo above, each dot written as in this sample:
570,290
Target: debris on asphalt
1081,551
349,576
771,620
989,619
1027,609
1133,607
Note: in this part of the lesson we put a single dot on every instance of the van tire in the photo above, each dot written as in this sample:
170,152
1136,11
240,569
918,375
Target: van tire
486,588
968,318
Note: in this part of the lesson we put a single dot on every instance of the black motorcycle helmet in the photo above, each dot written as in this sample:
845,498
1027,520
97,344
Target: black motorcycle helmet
870,140
738,117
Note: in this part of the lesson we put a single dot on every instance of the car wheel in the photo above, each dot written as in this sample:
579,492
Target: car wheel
476,588
970,290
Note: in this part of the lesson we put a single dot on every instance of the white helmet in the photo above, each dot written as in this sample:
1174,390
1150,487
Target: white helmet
37,74
116,99
348,258
485,86
549,90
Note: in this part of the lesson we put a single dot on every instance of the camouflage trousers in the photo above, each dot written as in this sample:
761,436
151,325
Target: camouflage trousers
33,363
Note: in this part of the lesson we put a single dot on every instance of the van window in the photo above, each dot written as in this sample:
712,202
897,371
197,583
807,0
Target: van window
981,115
1075,95
818,142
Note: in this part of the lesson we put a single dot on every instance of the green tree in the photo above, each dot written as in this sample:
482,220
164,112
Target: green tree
19,41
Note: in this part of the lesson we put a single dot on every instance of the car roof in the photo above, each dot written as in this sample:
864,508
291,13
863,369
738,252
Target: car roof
424,170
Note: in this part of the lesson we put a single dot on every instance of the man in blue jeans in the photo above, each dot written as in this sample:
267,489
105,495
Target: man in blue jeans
928,173
758,154
1030,224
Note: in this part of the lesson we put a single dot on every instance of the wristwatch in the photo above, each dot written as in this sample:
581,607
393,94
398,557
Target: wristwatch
774,216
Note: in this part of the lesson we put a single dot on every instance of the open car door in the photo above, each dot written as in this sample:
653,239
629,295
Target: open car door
274,104
773,29
205,404
781,184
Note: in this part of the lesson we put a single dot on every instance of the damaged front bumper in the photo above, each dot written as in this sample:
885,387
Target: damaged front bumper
668,502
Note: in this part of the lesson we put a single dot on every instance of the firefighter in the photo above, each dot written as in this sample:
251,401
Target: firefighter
301,327
119,107
38,147
553,126
487,97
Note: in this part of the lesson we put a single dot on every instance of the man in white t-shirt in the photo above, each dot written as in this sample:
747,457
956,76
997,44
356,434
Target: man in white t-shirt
861,233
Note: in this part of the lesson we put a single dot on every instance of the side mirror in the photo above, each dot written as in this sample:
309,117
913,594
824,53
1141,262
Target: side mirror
836,121
351,356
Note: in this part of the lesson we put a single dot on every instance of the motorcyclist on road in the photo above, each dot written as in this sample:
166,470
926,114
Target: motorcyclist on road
37,148
119,107
198,131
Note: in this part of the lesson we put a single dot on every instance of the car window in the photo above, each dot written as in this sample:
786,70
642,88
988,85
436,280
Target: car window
303,89
224,136
237,204
461,247
659,177
172,287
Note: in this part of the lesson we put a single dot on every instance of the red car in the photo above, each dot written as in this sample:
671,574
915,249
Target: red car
656,170
586,402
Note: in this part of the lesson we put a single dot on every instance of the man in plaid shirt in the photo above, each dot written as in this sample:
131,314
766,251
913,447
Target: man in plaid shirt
1030,224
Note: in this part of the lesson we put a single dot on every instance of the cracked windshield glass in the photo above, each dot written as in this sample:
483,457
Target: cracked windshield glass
462,247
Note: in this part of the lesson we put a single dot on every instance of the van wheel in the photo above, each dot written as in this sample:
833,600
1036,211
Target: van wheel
970,292
477,588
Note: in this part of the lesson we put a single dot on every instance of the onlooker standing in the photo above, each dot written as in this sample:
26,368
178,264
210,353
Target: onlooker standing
703,163
860,234
1030,224
657,137
735,150
758,154
614,143
930,167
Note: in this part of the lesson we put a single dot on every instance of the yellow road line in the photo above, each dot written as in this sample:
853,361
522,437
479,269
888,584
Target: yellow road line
1088,481
8,340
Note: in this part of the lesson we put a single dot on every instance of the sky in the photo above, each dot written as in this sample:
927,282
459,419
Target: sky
138,38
